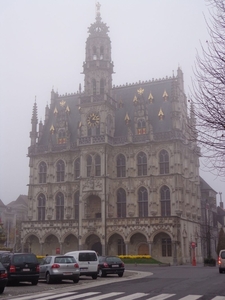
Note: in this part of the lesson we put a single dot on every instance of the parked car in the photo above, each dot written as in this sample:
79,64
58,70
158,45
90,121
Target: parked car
21,267
88,262
221,261
3,278
110,265
59,267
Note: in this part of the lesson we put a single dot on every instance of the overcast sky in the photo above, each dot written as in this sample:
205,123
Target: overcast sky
43,46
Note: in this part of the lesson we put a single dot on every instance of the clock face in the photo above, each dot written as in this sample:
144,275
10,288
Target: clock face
93,119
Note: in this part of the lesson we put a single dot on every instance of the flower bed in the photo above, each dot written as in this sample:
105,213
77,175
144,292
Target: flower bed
138,259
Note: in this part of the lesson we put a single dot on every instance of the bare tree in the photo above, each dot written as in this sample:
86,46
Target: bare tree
208,95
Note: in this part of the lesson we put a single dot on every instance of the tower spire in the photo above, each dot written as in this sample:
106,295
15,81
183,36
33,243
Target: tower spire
98,14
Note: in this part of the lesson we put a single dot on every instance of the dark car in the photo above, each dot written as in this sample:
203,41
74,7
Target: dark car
110,265
21,267
59,267
3,278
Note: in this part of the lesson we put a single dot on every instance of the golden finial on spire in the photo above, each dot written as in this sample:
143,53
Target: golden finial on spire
52,129
150,98
135,100
127,119
67,109
165,95
161,114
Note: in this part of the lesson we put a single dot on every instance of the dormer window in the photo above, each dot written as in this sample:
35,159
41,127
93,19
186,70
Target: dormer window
141,126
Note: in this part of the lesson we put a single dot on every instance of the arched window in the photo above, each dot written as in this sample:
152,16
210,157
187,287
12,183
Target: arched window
41,207
61,136
142,202
141,126
60,171
101,52
102,86
94,86
77,168
76,205
121,166
42,172
142,164
97,165
121,203
89,164
165,201
166,247
163,162
59,206
94,53
109,123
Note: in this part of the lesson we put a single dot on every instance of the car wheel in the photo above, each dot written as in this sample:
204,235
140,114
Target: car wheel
220,271
48,278
2,289
76,280
34,282
94,276
120,274
101,273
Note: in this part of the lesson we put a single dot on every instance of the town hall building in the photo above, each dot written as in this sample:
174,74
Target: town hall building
112,168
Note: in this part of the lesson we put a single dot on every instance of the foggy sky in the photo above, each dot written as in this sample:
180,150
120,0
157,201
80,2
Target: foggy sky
43,47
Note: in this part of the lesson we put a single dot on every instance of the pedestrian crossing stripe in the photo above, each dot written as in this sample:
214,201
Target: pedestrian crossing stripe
100,296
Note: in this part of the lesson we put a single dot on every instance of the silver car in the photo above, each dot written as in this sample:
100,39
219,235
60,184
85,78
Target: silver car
59,267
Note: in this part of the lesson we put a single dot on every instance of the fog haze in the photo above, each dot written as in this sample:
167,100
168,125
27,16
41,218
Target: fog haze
43,47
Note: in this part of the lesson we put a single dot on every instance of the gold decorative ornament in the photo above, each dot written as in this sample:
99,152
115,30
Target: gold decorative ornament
67,109
127,119
140,91
160,114
165,95
62,103
93,119
150,98
135,100
52,129
55,111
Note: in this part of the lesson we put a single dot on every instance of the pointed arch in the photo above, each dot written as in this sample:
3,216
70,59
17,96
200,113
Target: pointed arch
41,207
76,205
121,203
142,164
163,162
89,164
60,170
121,165
42,172
97,165
165,201
102,86
59,206
77,168
142,202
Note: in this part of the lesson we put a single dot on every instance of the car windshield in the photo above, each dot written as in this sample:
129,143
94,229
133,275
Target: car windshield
65,260
113,259
87,256
24,258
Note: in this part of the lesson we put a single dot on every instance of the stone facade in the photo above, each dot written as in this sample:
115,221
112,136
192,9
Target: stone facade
112,168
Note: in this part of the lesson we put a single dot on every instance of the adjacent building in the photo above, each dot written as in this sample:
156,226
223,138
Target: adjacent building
112,168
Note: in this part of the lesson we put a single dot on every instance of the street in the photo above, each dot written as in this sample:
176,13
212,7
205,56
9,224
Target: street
140,282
